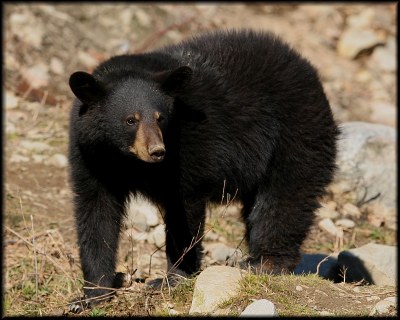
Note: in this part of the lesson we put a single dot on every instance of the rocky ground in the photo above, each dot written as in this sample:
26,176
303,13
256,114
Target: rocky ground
354,49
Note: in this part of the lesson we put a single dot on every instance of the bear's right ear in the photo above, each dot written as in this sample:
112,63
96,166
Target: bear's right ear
171,81
85,87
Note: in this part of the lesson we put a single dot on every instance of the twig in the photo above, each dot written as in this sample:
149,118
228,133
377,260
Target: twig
35,259
321,262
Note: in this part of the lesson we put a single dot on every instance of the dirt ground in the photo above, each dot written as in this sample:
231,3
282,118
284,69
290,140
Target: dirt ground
45,43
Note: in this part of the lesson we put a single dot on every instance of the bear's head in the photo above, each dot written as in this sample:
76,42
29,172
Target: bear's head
132,113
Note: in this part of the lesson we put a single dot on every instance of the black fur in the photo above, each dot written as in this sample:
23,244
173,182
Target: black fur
245,112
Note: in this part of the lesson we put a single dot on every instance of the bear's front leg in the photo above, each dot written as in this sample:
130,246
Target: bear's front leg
98,218
184,227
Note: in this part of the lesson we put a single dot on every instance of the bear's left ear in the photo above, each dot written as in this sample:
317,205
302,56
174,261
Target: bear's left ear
85,87
172,81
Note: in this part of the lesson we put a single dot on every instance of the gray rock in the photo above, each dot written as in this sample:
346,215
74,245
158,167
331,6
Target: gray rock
384,113
221,252
16,158
345,223
213,286
328,210
141,213
58,160
367,164
328,226
375,263
11,100
34,145
383,307
157,236
350,210
262,308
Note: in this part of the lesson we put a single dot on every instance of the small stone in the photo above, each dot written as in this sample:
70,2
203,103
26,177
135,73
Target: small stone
16,158
326,313
34,145
172,312
355,40
261,308
211,236
351,210
10,128
384,59
141,213
391,299
37,158
373,298
384,113
86,59
299,288
143,18
37,76
26,27
58,160
345,223
56,66
326,212
221,253
157,236
11,100
328,226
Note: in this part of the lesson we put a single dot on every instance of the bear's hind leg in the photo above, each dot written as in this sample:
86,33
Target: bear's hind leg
277,224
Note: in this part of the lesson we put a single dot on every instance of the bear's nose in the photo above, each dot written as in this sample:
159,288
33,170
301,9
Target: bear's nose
157,152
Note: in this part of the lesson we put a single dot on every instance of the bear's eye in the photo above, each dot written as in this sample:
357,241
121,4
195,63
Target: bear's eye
131,121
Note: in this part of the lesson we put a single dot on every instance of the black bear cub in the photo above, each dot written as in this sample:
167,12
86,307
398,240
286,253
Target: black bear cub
238,111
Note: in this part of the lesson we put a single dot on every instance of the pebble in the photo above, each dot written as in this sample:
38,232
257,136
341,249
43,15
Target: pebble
16,158
221,252
326,212
384,59
58,160
299,288
328,226
56,66
391,299
87,60
34,145
260,308
143,18
27,28
157,236
346,223
384,113
355,40
37,158
10,128
37,76
351,210
11,100
326,313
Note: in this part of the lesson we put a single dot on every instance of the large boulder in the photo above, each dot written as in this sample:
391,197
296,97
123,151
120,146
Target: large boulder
367,164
